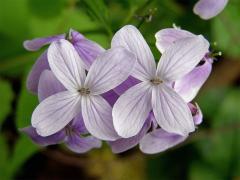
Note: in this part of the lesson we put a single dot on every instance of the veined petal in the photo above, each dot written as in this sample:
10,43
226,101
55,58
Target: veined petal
43,141
109,70
37,43
207,9
188,86
55,112
66,64
88,50
124,144
166,37
131,110
171,112
196,113
82,144
48,85
159,140
78,125
130,38
181,58
97,117
33,77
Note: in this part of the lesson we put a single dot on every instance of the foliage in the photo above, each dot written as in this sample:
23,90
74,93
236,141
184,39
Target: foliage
213,153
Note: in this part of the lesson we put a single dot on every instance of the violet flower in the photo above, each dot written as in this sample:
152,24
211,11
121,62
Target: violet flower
74,134
87,50
83,92
159,140
189,85
154,92
208,9
152,139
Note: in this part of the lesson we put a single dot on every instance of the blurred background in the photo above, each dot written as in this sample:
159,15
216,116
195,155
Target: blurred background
211,153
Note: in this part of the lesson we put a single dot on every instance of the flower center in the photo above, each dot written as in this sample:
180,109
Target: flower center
156,81
84,91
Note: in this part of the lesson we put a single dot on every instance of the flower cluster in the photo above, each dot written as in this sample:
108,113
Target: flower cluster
88,94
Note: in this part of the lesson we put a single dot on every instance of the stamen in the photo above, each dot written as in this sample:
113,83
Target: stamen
156,81
84,91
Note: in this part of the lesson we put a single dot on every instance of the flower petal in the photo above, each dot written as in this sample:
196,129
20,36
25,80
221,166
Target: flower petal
37,43
66,64
171,112
124,144
188,86
43,141
78,125
131,110
166,37
196,113
55,112
159,140
87,49
33,77
181,58
48,85
111,97
82,144
97,117
207,9
131,81
109,70
130,38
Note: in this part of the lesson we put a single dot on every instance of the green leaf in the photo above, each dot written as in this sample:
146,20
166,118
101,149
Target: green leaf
46,8
24,149
14,26
200,171
4,160
102,39
226,29
221,146
26,104
6,99
229,113
14,18
99,11
210,100
9,165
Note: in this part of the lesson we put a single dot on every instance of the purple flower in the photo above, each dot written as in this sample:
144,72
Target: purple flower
87,50
74,134
152,139
189,85
82,94
208,9
155,92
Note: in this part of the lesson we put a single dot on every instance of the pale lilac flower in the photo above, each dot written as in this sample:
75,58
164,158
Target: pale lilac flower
158,140
74,134
154,92
87,50
152,139
83,92
208,9
189,85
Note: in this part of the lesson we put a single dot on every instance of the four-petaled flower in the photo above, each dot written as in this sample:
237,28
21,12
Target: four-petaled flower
155,92
83,92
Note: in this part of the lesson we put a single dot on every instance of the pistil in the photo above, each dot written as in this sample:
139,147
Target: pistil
84,91
156,81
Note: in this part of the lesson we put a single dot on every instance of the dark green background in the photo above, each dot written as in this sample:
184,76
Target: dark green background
213,152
